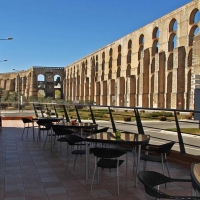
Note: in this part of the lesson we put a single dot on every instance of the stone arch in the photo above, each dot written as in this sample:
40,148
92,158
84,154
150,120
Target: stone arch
111,52
103,61
193,16
172,41
119,56
155,33
103,68
119,60
129,57
141,39
193,31
155,47
173,25
130,44
110,64
170,62
110,67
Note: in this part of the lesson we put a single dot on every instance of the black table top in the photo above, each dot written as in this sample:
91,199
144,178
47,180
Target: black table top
47,119
126,138
77,125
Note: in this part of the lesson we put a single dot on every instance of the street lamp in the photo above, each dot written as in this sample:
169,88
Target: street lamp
9,38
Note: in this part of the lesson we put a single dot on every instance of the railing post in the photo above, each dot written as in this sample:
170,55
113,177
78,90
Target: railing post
92,115
138,122
77,113
36,114
66,115
112,121
55,110
180,138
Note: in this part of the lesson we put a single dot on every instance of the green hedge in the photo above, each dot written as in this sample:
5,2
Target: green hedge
157,114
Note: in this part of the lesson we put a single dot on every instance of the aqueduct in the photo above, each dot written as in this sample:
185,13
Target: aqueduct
156,66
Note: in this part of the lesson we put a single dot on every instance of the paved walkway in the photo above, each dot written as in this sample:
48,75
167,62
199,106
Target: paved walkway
29,172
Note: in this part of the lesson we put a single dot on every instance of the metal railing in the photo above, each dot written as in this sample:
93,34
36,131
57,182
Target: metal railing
115,115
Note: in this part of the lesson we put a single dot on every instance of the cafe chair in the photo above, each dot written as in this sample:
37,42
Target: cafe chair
50,134
107,158
195,176
60,133
72,141
151,179
43,126
28,123
160,153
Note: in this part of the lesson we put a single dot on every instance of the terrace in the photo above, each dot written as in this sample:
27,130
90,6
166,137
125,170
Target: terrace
30,172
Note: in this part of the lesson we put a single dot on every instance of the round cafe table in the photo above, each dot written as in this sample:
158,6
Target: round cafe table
80,126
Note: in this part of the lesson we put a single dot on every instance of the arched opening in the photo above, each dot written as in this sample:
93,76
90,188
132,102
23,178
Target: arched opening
155,34
57,81
141,39
173,26
194,16
41,86
57,94
155,47
170,62
172,44
130,44
193,31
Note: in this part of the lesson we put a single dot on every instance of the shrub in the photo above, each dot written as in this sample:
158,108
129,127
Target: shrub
157,114
188,117
127,119
192,114
162,118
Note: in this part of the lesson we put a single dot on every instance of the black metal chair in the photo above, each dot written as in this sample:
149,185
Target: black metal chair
108,158
74,140
195,176
161,152
28,123
43,126
151,179
61,132
47,127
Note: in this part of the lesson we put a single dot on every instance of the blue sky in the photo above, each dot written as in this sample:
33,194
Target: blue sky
56,33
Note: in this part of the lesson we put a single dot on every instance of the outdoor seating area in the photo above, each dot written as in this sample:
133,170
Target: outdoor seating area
29,171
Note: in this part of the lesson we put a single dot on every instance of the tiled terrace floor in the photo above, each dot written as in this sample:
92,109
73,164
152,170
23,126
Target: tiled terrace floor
29,172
